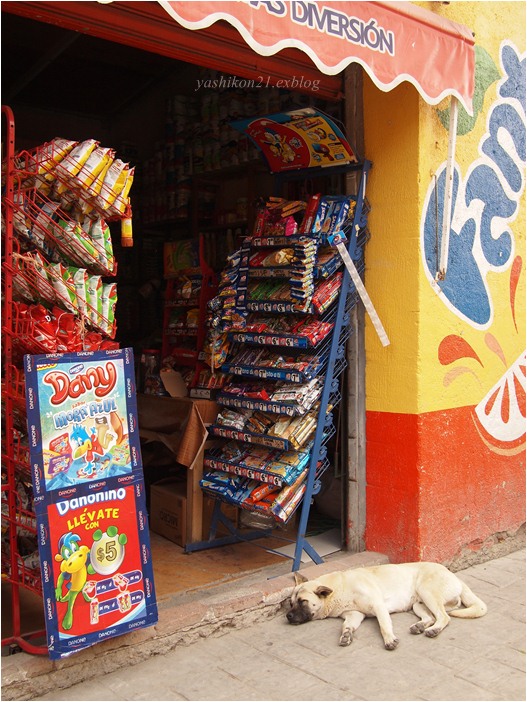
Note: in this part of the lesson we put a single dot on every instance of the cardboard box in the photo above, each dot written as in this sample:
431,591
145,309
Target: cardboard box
168,509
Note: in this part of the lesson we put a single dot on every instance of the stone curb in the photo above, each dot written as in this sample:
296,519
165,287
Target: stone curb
209,613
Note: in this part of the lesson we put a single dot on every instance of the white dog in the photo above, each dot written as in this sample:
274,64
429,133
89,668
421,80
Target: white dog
429,589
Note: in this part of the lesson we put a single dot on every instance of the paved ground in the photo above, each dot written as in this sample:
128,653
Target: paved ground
482,659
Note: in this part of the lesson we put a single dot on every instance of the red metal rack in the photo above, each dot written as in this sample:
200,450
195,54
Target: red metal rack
189,355
42,313
14,515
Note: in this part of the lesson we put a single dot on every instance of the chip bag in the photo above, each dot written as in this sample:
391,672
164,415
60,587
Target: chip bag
108,304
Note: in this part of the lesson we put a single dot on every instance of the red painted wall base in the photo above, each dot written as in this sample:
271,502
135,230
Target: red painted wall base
435,486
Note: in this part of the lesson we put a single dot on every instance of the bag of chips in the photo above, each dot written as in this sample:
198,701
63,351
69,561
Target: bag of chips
64,285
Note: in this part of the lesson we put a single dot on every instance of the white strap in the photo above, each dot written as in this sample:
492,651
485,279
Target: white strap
366,300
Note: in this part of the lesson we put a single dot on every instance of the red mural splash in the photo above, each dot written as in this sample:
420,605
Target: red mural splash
453,347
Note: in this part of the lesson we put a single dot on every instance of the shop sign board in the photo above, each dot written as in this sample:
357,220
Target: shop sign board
90,506
390,40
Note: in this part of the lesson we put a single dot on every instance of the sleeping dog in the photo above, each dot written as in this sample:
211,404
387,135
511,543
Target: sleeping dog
429,589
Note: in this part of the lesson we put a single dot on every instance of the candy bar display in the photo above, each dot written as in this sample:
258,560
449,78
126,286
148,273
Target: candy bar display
278,329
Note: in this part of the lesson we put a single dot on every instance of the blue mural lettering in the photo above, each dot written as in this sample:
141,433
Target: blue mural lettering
483,205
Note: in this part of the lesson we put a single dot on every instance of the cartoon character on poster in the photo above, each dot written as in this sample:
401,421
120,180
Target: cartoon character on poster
282,146
83,421
97,561
298,139
92,523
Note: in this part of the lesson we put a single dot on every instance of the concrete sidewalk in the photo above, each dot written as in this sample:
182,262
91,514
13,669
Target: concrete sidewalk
482,659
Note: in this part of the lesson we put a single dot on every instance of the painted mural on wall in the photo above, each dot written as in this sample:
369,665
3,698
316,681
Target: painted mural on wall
483,240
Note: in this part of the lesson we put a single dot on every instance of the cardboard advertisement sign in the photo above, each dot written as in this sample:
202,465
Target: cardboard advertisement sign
92,522
304,138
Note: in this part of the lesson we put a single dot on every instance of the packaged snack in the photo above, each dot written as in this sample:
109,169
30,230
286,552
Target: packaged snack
64,285
99,232
309,216
52,153
21,288
71,164
80,278
43,327
108,304
113,183
94,164
192,320
122,201
263,491
93,299
280,257
96,186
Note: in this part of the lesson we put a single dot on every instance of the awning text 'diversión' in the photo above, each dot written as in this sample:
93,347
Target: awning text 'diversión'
393,41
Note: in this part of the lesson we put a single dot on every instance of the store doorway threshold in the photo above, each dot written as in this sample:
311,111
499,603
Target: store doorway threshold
176,571
324,544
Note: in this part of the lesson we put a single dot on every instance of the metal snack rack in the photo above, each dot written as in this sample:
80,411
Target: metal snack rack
330,352
40,314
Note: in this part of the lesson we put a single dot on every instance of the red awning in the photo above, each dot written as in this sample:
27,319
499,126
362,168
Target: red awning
393,41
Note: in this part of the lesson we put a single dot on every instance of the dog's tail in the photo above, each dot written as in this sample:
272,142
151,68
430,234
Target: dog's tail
474,607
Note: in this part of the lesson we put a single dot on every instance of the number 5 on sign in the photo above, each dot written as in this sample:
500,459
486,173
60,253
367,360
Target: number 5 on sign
107,551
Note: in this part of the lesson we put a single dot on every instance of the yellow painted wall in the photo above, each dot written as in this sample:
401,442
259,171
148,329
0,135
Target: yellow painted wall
407,143
392,255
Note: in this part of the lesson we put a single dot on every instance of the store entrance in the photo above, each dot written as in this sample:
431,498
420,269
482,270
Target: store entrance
196,179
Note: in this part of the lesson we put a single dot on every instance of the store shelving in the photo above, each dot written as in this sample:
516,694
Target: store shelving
268,392
44,311
186,298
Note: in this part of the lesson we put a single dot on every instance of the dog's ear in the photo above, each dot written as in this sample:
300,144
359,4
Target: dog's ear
299,578
323,591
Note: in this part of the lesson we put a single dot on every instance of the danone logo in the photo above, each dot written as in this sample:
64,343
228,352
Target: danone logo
101,379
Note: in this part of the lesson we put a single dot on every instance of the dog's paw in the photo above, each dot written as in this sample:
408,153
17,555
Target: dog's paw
391,645
432,633
346,638
417,628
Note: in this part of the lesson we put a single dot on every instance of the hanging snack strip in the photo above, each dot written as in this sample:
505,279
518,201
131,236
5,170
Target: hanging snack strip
227,309
84,178
65,193
74,289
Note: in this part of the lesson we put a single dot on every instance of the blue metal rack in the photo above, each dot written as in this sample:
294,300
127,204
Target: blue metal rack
333,359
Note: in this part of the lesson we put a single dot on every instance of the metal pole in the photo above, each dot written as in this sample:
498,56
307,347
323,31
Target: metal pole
449,187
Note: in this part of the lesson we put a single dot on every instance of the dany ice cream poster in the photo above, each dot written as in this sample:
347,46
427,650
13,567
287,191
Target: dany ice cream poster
92,523
82,417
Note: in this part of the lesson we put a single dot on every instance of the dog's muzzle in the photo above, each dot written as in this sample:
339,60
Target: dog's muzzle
298,616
